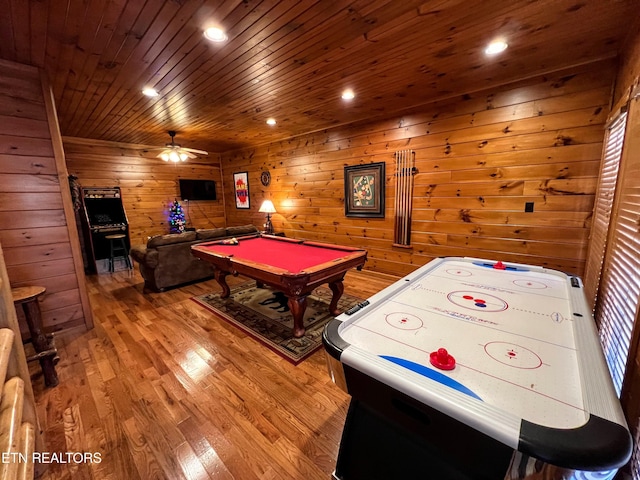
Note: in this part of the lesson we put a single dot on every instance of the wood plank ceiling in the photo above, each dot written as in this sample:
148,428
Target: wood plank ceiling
286,59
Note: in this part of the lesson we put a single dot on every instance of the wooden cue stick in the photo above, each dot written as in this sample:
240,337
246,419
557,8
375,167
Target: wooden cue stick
401,219
409,189
401,196
397,200
404,197
400,186
412,159
395,226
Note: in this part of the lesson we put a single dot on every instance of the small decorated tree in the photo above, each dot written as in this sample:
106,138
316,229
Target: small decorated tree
176,218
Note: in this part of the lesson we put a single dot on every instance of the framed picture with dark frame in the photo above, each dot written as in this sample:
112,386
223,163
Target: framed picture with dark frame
241,189
364,190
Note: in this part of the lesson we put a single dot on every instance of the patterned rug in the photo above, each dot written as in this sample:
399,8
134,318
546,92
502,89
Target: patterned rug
264,314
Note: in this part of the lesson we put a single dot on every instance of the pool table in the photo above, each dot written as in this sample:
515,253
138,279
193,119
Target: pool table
292,266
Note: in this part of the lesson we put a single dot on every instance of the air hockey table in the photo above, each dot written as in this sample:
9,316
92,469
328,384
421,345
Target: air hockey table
463,364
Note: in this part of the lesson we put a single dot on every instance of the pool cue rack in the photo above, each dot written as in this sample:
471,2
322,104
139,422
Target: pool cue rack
405,170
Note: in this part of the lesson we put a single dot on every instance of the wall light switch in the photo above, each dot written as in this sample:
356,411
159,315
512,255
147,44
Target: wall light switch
528,207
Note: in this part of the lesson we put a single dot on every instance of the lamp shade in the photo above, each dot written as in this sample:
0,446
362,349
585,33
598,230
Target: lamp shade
174,155
267,207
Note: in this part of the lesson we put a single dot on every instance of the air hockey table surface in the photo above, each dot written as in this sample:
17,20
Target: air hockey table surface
508,349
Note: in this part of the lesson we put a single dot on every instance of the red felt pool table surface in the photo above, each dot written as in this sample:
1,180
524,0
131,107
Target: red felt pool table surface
294,267
293,256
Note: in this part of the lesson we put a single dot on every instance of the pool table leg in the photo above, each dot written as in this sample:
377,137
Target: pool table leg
220,277
297,305
337,288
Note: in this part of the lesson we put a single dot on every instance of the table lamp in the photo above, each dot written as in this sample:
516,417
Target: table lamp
268,208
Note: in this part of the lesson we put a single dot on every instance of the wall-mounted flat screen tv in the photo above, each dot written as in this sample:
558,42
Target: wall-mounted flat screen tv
197,189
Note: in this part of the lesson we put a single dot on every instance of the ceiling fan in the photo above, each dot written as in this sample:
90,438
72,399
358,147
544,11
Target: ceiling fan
175,153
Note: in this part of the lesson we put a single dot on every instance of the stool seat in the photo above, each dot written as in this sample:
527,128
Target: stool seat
26,294
118,245
43,344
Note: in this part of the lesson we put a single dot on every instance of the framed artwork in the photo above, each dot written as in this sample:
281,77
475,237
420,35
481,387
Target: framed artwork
364,190
241,189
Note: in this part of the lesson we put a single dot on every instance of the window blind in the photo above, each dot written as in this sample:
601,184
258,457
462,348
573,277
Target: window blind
619,290
603,206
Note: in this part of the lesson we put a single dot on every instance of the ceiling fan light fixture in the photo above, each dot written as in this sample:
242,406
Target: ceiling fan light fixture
175,153
174,156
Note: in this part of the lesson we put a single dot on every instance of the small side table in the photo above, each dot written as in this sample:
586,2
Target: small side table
43,344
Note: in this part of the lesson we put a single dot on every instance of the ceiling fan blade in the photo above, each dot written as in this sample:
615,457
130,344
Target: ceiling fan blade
201,152
189,152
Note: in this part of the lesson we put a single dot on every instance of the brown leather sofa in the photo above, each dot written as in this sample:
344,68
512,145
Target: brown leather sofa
166,260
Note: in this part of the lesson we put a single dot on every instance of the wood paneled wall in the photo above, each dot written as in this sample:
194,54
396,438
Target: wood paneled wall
40,246
629,70
148,184
480,158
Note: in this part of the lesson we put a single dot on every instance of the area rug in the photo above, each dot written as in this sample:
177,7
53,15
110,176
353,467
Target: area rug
263,313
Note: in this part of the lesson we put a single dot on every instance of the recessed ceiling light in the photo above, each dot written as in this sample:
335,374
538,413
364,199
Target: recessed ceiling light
150,92
215,34
348,94
496,47
271,121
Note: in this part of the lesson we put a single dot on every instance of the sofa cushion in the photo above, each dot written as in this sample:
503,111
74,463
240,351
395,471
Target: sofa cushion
210,233
243,230
171,238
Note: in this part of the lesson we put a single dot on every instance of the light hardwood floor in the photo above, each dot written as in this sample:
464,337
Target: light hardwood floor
160,388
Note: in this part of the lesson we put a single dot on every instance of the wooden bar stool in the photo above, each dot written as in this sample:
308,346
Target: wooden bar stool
43,344
117,245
